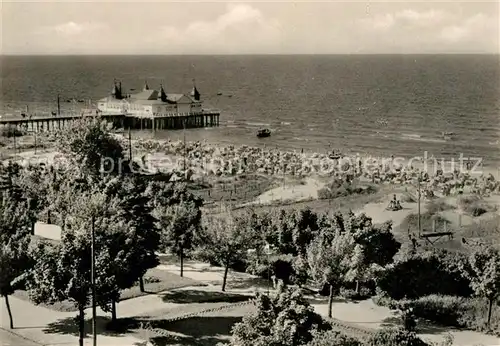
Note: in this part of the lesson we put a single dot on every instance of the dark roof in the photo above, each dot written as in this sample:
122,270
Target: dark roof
145,95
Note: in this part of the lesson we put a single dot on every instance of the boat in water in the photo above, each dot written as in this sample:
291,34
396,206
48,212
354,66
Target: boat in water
448,135
263,133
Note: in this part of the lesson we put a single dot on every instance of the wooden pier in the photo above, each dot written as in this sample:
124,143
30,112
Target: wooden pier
126,121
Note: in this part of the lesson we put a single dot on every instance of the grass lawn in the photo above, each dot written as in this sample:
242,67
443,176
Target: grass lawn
155,281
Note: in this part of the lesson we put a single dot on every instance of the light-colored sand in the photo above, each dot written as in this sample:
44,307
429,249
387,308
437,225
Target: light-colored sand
379,214
290,192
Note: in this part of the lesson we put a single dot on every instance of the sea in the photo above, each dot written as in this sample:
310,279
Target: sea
378,105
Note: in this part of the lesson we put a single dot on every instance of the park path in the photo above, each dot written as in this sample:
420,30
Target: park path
43,326
365,314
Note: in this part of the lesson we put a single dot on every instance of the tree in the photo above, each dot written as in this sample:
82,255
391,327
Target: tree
305,230
91,147
221,240
358,268
285,319
432,272
179,216
63,271
27,184
329,262
179,224
15,229
300,269
485,278
378,242
143,236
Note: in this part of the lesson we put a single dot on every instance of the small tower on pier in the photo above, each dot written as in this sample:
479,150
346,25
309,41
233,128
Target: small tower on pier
194,93
116,92
146,86
161,94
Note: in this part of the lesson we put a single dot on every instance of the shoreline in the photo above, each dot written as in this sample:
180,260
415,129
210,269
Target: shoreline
168,154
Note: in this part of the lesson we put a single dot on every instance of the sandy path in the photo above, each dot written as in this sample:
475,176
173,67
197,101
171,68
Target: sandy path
379,214
294,192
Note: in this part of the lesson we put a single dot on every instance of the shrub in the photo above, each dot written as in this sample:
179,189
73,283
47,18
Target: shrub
436,206
475,316
282,320
426,222
478,210
452,311
443,310
395,337
151,279
333,338
341,189
364,293
474,205
433,272
483,229
10,131
382,299
281,266
348,293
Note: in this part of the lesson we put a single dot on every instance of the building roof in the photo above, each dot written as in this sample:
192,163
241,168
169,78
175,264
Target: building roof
151,97
145,95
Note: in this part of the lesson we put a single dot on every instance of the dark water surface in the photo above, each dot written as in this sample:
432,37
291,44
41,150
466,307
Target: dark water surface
378,104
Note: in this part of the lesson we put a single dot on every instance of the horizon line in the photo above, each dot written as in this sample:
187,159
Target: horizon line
243,54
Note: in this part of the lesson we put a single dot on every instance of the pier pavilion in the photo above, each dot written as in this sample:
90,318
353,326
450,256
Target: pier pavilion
148,109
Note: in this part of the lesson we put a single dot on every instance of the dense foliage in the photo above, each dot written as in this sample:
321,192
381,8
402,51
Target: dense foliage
395,337
285,319
223,241
431,272
178,214
15,229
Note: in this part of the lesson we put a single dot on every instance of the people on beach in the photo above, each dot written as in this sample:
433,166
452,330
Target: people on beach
221,161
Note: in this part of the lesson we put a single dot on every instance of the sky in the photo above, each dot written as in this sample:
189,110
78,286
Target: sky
255,27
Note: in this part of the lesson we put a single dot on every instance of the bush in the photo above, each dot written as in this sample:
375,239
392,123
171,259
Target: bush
395,337
281,266
426,222
341,189
364,293
333,338
475,315
443,310
281,320
452,311
433,272
436,206
478,210
10,131
151,279
474,205
484,229
382,299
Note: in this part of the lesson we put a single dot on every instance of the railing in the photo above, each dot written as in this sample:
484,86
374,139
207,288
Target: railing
85,113
163,115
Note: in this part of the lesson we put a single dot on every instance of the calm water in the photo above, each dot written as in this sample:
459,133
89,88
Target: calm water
382,105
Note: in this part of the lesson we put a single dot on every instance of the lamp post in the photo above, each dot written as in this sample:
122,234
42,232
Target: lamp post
268,253
419,197
92,273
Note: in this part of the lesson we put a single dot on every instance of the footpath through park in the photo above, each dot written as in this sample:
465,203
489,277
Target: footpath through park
37,325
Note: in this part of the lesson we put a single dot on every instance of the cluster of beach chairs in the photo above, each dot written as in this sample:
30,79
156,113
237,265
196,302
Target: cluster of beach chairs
231,161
